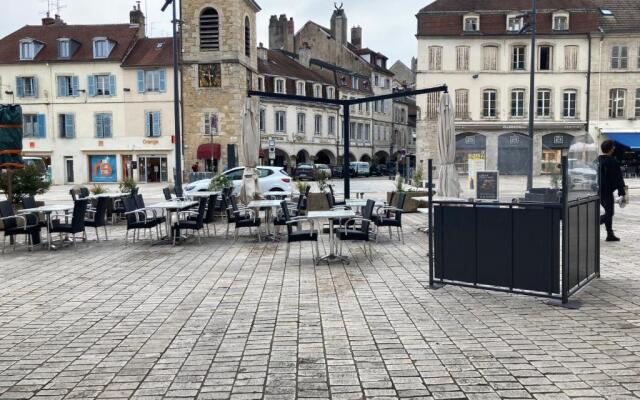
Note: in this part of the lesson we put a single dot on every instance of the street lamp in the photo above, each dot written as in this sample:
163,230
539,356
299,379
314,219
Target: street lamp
176,98
531,26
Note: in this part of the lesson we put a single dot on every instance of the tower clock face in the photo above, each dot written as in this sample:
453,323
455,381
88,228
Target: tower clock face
209,75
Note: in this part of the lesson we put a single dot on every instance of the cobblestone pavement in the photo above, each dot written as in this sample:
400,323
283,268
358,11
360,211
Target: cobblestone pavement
233,320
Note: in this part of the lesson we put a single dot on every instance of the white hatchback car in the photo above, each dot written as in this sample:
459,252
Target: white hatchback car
271,179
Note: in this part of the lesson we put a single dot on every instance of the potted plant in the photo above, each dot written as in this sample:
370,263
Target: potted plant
410,205
24,182
219,182
98,189
128,185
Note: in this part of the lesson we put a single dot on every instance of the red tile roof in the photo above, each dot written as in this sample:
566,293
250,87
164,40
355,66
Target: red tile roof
124,36
150,52
282,64
505,5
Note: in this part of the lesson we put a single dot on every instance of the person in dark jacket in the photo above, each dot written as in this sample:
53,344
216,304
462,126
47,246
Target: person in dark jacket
610,180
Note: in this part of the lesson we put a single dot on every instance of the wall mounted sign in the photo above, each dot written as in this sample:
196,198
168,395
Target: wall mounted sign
103,168
487,185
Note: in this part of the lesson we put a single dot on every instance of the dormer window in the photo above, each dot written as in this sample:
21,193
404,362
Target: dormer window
29,49
354,83
280,86
561,21
64,48
317,91
472,23
515,23
331,94
101,47
300,88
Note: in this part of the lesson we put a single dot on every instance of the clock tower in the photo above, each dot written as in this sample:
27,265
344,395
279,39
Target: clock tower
219,66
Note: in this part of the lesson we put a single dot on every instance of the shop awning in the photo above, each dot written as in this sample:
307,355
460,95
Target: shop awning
629,139
209,151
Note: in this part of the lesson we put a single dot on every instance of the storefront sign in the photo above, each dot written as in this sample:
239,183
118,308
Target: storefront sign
487,185
103,168
150,141
476,162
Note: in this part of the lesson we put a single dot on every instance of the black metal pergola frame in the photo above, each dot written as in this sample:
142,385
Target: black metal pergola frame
346,116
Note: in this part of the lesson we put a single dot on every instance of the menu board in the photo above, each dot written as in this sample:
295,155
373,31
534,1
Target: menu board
487,185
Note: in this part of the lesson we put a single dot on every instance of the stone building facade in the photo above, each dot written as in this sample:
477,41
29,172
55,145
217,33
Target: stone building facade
219,66
484,60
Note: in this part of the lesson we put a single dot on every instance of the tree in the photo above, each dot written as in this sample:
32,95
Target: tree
28,181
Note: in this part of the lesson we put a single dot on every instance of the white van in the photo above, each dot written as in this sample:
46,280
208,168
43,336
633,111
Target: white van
360,168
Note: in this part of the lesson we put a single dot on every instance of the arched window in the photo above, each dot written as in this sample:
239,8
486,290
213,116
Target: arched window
209,29
247,37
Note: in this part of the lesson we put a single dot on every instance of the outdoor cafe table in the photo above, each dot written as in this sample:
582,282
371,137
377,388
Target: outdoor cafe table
47,211
268,206
331,215
108,195
360,203
360,193
199,195
172,207
277,194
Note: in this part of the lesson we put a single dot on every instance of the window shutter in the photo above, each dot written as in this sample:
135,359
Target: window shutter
163,80
141,81
156,123
147,127
106,125
70,125
20,87
35,86
91,82
75,86
42,129
60,87
112,85
99,125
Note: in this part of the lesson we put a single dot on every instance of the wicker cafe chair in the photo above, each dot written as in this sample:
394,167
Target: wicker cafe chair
349,231
97,218
299,236
15,225
76,225
391,217
185,222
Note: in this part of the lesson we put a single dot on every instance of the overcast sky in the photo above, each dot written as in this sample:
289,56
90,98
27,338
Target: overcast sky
388,26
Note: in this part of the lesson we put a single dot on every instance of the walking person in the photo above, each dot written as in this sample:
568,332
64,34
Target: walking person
611,179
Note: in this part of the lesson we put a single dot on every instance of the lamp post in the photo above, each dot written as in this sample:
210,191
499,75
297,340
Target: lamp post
532,90
176,98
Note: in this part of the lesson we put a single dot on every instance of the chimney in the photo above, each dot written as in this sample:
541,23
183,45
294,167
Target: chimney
262,53
136,17
356,37
339,25
304,55
281,32
48,20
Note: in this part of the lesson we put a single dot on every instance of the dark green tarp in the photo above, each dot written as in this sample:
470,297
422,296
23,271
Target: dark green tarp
10,136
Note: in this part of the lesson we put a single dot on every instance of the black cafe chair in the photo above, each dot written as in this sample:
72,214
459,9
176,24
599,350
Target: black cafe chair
350,231
187,222
76,225
138,220
391,217
15,225
97,218
299,235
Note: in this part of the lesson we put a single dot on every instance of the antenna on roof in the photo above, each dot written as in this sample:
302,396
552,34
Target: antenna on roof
54,7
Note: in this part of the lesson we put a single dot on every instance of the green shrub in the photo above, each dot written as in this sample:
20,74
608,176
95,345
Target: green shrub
323,180
28,181
400,184
301,186
98,189
128,185
219,182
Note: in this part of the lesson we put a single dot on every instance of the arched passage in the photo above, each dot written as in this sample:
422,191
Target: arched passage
352,157
302,157
381,157
469,146
365,158
514,157
325,157
281,157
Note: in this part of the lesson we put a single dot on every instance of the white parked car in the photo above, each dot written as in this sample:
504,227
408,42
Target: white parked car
271,179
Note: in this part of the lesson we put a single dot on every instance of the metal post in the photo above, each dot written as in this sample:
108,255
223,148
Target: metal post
565,230
430,231
176,99
532,89
346,135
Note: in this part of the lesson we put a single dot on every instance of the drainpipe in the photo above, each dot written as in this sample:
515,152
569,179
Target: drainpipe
600,77
589,86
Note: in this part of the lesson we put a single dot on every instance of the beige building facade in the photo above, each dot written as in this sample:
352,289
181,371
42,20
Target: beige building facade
219,67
